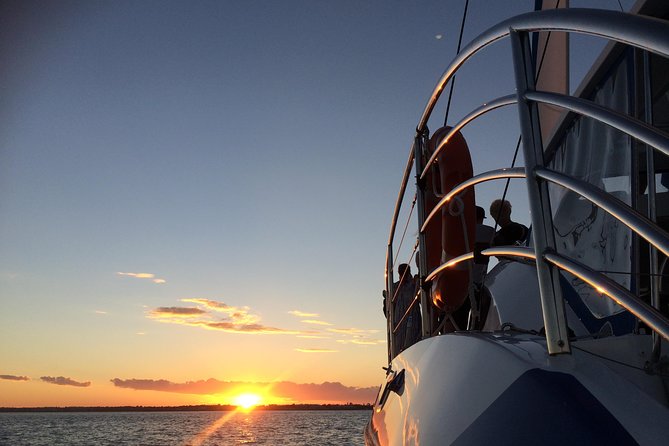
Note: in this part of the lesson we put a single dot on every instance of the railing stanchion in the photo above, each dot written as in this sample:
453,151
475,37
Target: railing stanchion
388,300
552,304
425,304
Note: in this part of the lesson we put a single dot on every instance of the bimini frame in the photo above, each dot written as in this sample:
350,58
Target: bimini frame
641,32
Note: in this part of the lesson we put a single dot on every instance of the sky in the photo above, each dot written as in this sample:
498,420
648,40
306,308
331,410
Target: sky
195,197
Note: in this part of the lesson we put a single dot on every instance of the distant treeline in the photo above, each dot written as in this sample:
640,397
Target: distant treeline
198,408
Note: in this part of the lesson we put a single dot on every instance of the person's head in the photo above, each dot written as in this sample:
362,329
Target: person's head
500,210
480,215
402,269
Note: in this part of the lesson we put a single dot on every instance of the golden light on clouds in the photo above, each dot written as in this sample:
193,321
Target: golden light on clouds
214,315
299,313
149,276
315,350
315,322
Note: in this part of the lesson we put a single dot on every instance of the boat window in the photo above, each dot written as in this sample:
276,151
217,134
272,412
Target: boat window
660,92
602,156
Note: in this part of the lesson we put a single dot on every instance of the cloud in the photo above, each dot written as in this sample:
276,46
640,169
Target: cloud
169,312
323,392
238,315
14,378
150,276
315,350
438,36
63,381
361,341
351,331
100,312
232,327
215,315
299,313
315,322
313,337
137,275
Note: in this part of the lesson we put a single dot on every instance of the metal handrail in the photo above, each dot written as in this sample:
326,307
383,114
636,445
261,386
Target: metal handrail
482,110
618,209
640,31
454,261
497,174
604,285
627,124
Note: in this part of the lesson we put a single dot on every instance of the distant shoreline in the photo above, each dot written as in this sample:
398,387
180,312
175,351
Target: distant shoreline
195,408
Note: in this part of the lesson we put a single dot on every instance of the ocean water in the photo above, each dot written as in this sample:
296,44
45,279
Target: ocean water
283,428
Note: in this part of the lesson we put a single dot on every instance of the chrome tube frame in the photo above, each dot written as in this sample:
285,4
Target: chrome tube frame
454,261
655,320
485,108
426,308
638,31
497,174
552,304
622,212
633,127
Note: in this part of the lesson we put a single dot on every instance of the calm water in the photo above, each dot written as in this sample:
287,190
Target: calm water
284,428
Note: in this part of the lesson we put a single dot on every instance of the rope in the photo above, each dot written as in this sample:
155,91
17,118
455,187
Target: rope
450,93
616,361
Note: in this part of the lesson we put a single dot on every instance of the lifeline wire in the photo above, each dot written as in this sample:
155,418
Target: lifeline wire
450,94
406,226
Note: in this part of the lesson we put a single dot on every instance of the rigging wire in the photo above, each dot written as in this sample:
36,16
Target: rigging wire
450,93
413,253
520,137
406,226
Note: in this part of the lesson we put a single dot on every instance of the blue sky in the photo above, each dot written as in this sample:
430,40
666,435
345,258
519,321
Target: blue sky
247,153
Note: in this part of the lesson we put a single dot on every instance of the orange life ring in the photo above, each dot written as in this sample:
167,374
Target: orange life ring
458,221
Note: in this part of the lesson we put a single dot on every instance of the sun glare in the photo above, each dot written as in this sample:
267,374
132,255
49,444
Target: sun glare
247,400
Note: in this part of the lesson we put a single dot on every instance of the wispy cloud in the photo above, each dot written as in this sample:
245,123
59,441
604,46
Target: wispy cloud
238,315
14,378
315,322
315,350
100,312
351,331
214,315
313,337
323,392
299,313
63,381
232,327
149,276
178,312
361,341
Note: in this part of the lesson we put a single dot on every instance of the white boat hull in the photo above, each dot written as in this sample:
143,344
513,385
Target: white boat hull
485,388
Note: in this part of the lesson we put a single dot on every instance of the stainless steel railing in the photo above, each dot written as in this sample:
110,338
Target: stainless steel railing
641,32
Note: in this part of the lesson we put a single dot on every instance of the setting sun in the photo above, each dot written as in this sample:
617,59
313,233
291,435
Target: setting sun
247,400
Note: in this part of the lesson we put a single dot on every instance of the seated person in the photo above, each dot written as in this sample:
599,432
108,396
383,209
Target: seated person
510,232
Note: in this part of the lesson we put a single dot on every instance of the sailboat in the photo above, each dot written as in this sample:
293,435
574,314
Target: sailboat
565,339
